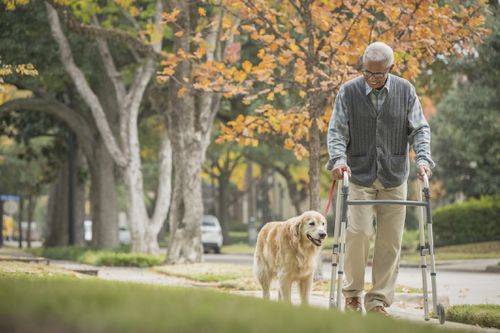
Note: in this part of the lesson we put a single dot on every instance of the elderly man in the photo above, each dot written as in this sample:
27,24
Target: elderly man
376,117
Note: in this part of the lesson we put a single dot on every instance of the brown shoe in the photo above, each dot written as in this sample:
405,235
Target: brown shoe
379,309
353,304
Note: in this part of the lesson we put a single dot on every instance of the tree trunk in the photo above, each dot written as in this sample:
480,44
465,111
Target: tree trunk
57,208
314,167
136,209
31,208
103,199
57,211
187,207
296,195
223,206
79,200
314,184
20,222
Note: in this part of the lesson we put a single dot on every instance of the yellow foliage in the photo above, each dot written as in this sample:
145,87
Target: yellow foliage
172,16
313,60
12,4
181,92
247,66
9,92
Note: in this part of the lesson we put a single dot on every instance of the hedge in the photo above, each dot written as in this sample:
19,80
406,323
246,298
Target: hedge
467,222
99,257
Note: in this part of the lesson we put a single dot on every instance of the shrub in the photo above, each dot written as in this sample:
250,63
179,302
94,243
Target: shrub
99,258
121,259
468,222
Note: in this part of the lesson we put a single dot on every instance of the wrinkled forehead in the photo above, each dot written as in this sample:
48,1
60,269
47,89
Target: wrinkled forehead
375,66
314,216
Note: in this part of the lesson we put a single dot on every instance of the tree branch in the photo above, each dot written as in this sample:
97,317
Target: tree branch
84,89
110,67
78,124
98,32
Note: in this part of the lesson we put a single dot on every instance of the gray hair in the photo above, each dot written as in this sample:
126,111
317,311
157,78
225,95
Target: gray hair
379,51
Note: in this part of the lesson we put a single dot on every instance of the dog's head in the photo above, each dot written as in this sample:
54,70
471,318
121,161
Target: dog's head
311,227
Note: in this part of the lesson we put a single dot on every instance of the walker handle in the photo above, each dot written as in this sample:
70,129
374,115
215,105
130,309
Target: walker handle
426,180
346,179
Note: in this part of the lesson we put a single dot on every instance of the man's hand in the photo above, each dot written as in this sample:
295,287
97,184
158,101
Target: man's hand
421,169
338,172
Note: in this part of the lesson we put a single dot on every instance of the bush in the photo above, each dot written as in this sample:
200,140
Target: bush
485,315
468,222
99,258
411,240
121,259
236,237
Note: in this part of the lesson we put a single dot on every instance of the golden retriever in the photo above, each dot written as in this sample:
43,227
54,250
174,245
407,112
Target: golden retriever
288,251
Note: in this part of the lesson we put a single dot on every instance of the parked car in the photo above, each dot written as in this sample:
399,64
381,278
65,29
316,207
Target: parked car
211,234
123,233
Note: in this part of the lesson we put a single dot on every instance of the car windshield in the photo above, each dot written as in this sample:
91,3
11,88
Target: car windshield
209,224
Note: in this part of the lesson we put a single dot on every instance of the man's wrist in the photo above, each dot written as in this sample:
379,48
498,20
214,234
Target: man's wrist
339,162
423,163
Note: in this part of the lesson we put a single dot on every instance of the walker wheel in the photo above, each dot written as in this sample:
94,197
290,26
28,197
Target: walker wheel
441,313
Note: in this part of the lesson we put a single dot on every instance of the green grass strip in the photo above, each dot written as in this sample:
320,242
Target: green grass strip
91,305
485,315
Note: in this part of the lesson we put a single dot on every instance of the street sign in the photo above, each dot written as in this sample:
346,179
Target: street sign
11,207
9,197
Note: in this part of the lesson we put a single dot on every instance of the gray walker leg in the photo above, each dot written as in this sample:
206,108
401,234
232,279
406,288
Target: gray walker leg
423,253
437,308
428,250
337,276
335,252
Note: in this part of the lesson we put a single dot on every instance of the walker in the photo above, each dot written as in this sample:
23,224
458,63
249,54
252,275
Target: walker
425,249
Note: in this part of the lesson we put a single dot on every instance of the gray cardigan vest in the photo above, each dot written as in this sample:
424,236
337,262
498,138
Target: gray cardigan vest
378,145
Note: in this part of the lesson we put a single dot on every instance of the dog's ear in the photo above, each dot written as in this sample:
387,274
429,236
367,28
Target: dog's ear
296,229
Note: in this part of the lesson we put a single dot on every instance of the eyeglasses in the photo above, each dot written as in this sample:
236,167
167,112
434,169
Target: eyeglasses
367,74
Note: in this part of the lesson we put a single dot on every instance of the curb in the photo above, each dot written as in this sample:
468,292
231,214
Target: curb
418,298
493,269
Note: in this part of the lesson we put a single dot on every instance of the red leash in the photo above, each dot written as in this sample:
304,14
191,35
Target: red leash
332,189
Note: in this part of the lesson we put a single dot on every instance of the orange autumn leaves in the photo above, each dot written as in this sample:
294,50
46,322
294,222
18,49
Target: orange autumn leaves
306,51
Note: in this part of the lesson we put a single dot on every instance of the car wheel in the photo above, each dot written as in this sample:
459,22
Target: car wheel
217,249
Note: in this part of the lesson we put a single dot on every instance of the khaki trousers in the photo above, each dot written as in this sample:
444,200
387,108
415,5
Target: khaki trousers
389,225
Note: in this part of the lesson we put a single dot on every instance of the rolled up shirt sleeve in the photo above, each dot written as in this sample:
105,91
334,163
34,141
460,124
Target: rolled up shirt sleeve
338,133
419,132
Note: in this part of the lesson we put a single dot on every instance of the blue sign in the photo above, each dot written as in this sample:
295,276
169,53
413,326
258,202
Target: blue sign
9,197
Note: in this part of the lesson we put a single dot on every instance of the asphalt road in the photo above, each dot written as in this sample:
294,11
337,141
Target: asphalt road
460,287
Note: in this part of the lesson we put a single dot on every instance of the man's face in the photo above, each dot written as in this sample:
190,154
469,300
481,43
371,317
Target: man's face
375,73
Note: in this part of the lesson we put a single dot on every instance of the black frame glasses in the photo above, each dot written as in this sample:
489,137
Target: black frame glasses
380,75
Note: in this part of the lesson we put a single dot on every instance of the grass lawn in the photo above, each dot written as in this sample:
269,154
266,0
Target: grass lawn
241,248
485,315
64,304
484,250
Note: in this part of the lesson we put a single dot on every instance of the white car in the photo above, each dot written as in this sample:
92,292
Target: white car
123,233
211,233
